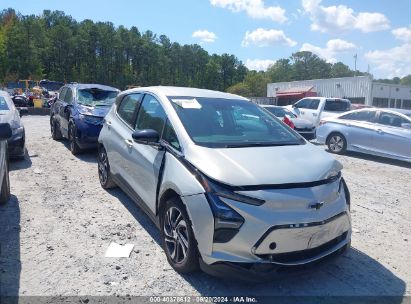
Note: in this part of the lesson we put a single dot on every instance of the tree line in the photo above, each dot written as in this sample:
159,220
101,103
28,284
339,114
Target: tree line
55,46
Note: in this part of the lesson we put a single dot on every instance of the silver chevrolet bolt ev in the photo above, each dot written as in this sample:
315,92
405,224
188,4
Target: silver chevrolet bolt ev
229,185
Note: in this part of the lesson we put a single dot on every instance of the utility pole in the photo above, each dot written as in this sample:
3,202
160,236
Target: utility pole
355,65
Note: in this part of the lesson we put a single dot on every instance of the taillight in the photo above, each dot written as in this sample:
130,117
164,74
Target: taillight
288,122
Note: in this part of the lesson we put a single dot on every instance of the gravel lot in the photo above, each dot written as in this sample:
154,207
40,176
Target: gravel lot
56,228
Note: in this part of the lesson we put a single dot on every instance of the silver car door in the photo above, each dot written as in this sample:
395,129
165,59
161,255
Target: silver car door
119,127
360,129
391,138
145,161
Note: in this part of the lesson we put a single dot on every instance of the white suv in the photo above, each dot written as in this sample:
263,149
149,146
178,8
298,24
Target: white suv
316,108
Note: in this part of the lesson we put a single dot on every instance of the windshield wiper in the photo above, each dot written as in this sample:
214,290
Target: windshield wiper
261,144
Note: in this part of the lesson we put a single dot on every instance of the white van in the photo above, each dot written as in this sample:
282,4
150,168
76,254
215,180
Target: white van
316,108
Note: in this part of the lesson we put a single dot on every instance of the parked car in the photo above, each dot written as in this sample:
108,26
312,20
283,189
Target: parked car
5,134
20,101
78,113
228,184
10,114
316,108
304,127
381,132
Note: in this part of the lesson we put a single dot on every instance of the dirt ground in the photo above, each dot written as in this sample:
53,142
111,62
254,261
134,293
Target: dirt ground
59,223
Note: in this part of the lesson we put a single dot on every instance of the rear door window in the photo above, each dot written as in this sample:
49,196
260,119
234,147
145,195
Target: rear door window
368,116
128,108
337,105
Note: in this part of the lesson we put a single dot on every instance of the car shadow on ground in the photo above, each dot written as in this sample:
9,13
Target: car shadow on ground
352,274
378,159
87,155
373,158
24,163
10,265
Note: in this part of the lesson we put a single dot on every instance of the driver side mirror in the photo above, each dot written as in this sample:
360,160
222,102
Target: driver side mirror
146,137
406,126
5,131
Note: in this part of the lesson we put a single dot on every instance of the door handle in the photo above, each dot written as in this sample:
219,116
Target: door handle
379,131
129,142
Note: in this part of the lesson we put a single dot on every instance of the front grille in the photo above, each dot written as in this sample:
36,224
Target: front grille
295,256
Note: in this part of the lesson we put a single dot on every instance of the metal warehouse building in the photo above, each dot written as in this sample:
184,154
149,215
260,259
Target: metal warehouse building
359,89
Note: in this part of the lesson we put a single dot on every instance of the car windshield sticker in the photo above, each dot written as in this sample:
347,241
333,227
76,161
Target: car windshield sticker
187,103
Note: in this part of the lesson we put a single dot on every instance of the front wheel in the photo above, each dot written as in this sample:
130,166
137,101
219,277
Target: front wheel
5,187
74,147
337,143
54,128
178,238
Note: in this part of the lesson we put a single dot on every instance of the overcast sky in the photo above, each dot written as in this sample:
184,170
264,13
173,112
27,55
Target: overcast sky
259,32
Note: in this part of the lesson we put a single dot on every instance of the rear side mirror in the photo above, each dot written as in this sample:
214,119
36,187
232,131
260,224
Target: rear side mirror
5,131
146,137
406,125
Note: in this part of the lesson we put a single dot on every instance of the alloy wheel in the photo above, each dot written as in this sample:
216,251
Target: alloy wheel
103,167
176,235
336,143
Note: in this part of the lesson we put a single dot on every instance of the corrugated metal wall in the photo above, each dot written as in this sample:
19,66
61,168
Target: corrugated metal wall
354,87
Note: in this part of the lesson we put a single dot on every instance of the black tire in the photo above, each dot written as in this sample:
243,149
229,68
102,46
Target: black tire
74,147
176,229
55,130
337,143
104,173
5,187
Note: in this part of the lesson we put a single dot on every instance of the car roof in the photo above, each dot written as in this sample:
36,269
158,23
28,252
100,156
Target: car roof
402,111
185,92
91,85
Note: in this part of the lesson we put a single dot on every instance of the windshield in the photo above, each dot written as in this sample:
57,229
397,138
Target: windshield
96,97
279,112
229,123
3,104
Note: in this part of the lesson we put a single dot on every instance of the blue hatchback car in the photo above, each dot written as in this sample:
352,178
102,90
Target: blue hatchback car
78,114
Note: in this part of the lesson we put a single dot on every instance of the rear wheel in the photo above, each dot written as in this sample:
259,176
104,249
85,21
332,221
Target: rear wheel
179,243
5,187
104,174
74,147
337,143
54,128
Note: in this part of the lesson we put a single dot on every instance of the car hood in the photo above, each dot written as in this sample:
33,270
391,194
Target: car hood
302,123
94,111
264,165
